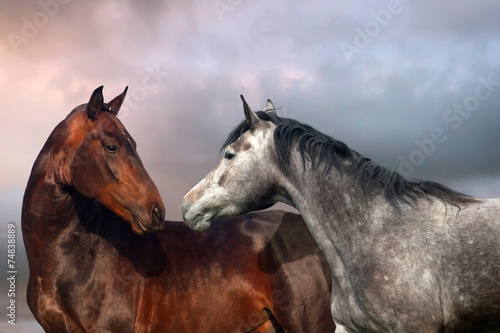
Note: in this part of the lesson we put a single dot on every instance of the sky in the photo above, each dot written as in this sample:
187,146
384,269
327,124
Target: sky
414,85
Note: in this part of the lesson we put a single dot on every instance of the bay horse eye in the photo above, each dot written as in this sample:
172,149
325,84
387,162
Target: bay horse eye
228,155
111,148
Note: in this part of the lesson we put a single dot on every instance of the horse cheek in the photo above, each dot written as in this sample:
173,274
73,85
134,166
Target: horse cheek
81,171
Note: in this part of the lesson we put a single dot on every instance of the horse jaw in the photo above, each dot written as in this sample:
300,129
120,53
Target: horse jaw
196,209
204,203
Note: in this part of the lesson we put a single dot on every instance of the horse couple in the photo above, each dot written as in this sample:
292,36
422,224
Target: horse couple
375,251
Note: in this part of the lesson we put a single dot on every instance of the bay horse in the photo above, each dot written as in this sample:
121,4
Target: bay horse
405,255
102,259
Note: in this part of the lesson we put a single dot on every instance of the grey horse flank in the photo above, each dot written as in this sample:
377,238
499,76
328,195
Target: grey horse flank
405,255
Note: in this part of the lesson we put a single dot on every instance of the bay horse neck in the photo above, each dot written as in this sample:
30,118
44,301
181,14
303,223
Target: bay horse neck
48,208
48,212
49,182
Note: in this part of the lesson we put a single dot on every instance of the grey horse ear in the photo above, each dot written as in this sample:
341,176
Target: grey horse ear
270,107
251,117
116,103
95,104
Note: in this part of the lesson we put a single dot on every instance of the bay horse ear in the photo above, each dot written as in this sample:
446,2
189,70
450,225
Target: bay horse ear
270,107
251,117
116,103
95,103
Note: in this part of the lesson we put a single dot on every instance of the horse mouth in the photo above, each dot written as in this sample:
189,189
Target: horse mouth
139,223
199,223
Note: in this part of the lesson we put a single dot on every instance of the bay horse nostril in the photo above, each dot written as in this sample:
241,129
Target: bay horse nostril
157,215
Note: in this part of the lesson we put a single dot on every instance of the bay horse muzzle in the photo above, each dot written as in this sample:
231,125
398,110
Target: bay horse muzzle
154,223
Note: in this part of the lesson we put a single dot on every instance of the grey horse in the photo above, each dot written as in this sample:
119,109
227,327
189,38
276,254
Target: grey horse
405,255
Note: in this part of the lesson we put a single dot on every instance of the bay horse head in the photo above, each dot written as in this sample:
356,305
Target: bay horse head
101,162
241,182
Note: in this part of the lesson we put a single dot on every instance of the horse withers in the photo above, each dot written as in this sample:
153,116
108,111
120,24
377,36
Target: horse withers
405,255
102,259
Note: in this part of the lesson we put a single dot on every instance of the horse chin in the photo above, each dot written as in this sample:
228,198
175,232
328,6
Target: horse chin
140,228
199,223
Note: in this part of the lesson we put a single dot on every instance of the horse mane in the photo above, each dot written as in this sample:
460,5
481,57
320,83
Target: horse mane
322,150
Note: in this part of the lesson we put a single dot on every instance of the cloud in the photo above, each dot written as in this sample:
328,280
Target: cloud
186,64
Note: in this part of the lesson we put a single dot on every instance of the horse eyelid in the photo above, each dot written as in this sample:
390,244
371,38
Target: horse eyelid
111,148
228,155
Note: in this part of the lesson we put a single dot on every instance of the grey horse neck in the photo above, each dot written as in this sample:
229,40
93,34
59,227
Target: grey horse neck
374,249
333,197
336,207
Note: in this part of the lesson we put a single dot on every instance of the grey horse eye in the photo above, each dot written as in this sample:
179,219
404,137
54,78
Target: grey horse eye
228,155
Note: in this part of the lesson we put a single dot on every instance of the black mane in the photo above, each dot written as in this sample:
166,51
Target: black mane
322,150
